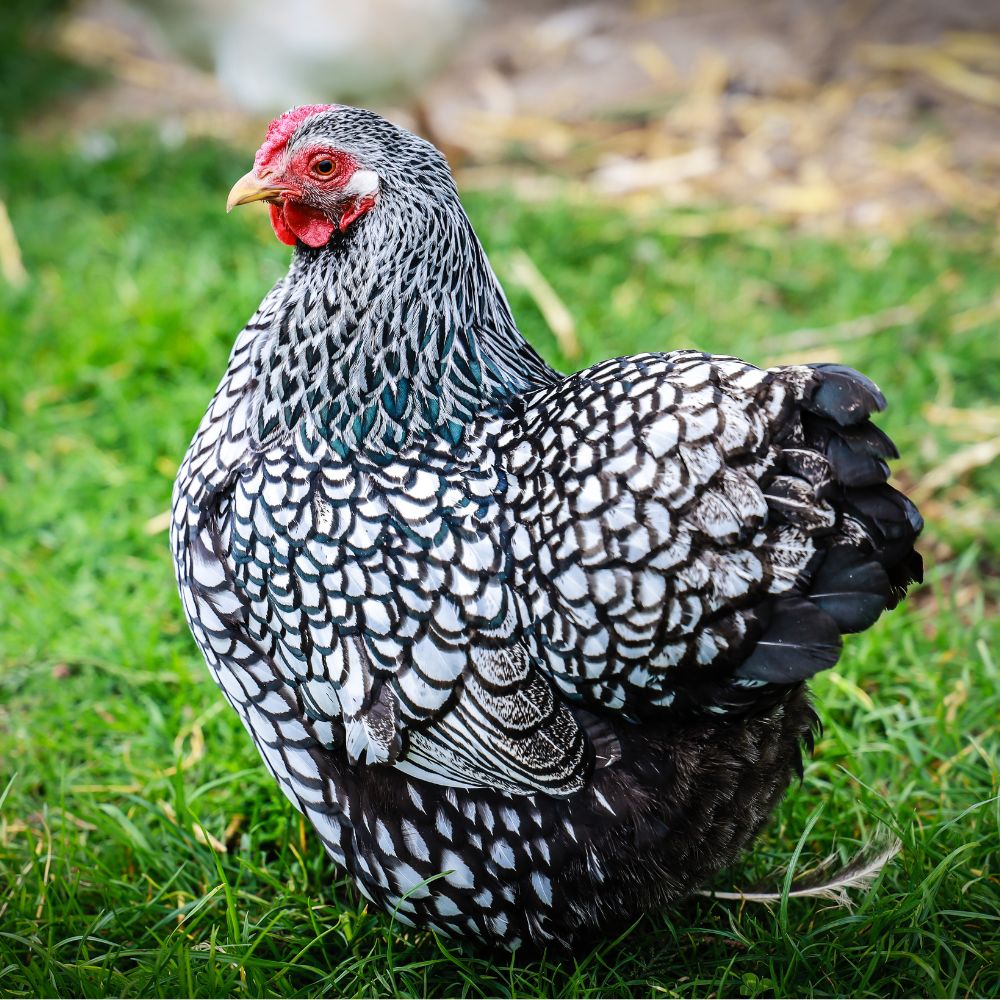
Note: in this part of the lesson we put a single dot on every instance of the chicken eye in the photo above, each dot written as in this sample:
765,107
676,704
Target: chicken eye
324,167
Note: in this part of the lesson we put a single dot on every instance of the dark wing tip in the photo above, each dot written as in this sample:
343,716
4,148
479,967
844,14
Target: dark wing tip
799,641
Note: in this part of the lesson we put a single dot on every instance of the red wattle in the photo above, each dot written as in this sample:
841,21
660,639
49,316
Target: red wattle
356,210
293,221
279,226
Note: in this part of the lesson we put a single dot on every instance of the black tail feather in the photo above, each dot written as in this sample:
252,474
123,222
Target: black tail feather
856,450
844,395
866,563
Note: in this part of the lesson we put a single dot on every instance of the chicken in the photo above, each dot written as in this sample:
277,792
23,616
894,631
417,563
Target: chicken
528,650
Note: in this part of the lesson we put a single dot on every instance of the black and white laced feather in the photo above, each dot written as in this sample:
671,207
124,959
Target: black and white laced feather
542,636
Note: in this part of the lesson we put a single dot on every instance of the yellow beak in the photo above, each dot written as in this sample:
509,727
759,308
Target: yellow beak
251,188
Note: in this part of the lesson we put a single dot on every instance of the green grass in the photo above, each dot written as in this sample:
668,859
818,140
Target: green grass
120,751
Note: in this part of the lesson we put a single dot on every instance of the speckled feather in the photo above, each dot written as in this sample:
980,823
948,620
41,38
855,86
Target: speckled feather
526,649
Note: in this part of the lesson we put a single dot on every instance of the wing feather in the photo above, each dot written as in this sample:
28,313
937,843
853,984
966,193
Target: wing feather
645,531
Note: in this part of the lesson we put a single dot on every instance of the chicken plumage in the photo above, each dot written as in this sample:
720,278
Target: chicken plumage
528,650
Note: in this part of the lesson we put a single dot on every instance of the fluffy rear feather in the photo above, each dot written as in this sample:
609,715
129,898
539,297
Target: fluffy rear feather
857,875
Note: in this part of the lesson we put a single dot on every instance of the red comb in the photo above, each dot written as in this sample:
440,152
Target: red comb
282,129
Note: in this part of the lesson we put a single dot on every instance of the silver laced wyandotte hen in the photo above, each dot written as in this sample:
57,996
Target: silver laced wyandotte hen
528,650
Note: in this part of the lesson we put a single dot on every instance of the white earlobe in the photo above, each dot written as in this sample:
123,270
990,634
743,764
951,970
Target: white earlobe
362,184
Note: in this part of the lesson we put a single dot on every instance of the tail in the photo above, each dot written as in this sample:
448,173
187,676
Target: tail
866,561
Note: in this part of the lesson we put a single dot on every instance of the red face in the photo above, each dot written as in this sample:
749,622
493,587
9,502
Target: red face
313,191
317,197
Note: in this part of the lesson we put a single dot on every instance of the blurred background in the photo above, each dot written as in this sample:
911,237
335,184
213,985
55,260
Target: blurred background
784,180
830,112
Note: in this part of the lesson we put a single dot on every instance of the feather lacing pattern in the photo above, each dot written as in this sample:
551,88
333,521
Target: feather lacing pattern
527,650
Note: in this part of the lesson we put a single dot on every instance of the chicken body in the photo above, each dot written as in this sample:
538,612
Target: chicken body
528,650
